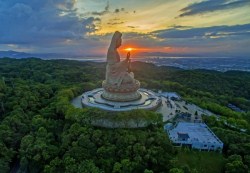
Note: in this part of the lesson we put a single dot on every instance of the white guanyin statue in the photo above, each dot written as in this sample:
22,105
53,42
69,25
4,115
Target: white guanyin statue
119,84
116,70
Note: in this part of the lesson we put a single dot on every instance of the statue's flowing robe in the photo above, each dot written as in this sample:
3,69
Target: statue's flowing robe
116,70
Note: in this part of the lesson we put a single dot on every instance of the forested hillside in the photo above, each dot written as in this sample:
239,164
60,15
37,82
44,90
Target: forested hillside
40,131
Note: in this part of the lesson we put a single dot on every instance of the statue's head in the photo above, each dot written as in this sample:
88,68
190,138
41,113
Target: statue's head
116,40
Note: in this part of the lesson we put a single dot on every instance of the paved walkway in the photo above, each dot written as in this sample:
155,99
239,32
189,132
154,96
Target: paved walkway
77,102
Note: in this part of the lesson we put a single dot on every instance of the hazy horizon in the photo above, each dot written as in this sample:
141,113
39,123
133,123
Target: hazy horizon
209,63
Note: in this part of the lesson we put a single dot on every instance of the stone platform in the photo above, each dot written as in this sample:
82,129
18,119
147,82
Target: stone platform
148,100
124,93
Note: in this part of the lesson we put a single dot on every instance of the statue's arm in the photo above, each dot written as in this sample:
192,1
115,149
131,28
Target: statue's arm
128,55
126,61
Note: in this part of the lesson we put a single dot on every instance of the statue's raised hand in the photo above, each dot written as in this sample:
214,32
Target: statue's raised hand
128,55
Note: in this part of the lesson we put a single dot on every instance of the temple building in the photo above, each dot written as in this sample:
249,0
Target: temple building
194,135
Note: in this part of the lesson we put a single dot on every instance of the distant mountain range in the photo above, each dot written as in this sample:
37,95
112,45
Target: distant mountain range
14,54
157,58
164,54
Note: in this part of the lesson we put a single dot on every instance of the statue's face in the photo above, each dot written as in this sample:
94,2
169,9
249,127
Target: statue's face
118,42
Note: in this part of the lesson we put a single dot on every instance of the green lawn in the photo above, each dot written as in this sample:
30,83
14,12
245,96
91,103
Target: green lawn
202,161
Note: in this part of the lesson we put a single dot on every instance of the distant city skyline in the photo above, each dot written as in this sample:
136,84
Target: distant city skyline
159,27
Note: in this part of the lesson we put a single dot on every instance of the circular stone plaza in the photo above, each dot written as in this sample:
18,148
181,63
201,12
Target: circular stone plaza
147,100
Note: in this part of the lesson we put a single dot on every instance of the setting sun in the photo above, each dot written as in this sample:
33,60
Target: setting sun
129,49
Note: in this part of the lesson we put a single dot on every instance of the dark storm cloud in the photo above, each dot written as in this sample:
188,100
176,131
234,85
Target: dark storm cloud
43,22
212,5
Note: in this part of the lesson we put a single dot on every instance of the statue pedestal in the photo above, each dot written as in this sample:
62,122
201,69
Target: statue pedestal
123,93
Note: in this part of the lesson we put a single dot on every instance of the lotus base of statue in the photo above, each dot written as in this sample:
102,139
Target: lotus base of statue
123,93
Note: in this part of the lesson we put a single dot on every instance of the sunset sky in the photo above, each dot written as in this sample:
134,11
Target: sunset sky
152,27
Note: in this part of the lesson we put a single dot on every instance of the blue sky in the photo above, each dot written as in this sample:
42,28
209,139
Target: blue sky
84,27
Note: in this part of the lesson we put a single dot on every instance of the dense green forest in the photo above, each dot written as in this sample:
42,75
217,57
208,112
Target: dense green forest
40,131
